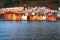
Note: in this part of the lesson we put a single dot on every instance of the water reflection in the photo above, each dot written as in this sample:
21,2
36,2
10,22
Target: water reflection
30,30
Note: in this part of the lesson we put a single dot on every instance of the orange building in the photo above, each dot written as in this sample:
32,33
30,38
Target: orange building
18,17
51,17
30,17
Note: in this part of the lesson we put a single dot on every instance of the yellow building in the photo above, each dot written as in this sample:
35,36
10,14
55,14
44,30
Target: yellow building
14,17
40,17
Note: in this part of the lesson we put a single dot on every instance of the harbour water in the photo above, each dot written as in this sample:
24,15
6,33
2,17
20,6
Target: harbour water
31,30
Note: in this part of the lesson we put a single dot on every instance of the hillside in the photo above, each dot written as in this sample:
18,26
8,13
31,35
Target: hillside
53,4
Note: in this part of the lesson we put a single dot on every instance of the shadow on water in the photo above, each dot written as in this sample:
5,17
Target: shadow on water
30,30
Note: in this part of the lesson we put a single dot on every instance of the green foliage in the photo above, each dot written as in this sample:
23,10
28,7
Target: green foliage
11,2
55,1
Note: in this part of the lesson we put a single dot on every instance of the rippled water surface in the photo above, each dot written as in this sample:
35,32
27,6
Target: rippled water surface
32,30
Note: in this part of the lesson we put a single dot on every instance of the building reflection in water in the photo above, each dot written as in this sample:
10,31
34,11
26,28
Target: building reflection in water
10,30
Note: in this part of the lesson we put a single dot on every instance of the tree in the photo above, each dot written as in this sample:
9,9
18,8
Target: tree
11,3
